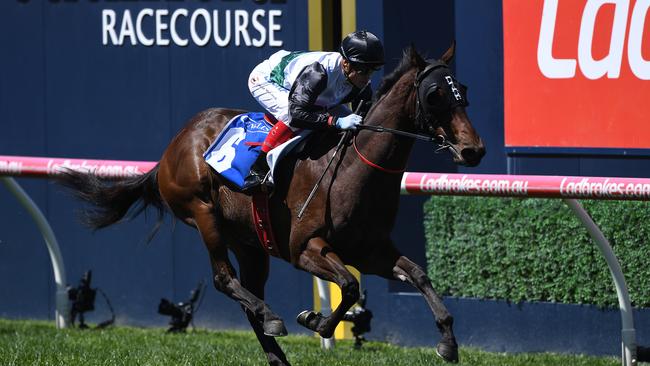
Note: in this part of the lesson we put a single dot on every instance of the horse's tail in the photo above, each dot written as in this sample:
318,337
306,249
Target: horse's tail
111,200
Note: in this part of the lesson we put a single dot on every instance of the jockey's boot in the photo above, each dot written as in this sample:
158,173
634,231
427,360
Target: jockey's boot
256,176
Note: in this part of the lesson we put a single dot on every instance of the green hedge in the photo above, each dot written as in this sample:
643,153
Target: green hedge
535,250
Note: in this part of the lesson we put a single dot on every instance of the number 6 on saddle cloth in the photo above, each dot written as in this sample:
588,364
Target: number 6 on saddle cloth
237,147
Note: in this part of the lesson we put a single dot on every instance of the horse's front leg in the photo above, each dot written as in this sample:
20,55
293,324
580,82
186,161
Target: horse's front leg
405,270
319,259
386,261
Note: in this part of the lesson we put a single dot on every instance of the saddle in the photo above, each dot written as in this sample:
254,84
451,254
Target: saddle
311,147
237,147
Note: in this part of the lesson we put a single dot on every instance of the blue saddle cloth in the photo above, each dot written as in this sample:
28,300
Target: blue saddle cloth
237,147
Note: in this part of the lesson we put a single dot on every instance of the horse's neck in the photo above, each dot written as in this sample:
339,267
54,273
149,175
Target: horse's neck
395,110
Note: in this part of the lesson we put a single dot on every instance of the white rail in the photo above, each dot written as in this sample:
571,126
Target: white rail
62,310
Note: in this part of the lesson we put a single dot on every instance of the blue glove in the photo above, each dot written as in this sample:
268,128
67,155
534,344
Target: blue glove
348,122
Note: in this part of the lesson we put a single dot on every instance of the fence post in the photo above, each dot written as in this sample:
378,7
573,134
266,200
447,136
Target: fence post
62,302
325,308
628,335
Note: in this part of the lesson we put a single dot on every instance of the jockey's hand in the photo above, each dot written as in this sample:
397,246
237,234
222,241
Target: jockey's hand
349,122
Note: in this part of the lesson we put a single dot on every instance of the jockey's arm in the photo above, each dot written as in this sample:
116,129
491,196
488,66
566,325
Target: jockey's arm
302,98
340,110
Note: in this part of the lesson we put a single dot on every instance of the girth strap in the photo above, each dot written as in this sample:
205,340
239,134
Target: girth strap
262,223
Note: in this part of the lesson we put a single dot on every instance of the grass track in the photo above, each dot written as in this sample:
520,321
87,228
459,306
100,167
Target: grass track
39,343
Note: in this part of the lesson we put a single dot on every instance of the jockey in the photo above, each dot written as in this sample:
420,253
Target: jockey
308,90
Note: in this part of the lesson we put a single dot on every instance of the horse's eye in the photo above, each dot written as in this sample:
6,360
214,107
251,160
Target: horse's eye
432,95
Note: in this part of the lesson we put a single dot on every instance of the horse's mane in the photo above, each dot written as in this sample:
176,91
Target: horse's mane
410,58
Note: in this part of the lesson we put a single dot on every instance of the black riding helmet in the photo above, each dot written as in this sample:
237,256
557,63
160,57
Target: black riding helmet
363,48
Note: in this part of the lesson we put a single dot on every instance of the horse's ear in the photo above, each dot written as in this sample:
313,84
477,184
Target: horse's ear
416,59
449,54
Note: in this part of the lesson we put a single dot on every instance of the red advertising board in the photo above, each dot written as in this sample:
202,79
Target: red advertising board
577,73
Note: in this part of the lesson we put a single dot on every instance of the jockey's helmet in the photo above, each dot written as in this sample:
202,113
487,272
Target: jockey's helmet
363,47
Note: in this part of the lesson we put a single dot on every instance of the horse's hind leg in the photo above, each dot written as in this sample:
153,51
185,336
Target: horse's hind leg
387,262
319,259
225,279
254,270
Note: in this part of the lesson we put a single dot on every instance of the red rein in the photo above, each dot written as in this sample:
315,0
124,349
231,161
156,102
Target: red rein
376,166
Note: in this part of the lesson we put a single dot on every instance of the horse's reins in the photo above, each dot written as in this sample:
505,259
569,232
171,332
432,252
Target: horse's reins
443,143
440,140
344,139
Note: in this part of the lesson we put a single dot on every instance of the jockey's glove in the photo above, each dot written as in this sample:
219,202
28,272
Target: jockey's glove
349,122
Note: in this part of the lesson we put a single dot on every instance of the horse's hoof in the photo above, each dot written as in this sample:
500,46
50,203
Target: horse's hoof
274,328
448,352
309,319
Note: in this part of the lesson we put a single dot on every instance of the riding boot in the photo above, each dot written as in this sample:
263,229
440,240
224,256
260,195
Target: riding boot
256,176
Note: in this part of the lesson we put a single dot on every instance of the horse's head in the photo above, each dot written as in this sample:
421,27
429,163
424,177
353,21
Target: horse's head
440,109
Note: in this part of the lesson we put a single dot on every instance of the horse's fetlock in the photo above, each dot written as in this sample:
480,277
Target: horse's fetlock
221,282
445,323
350,290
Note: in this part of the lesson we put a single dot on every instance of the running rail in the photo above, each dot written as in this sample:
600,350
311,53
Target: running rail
17,166
564,187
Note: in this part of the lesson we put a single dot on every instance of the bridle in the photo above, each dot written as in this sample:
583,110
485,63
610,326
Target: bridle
422,115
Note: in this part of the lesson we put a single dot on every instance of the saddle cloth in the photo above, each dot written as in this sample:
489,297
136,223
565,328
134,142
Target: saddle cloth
237,147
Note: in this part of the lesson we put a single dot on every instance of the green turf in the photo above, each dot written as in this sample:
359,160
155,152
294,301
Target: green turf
40,343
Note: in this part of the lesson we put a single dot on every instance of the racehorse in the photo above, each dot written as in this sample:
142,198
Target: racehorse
348,222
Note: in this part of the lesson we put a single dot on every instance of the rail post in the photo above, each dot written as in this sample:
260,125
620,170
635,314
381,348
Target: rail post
62,310
324,294
628,334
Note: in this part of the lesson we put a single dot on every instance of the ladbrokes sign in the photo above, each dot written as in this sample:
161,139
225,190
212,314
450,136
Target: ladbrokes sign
577,73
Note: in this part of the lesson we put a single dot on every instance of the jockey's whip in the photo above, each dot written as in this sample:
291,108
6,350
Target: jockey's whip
345,137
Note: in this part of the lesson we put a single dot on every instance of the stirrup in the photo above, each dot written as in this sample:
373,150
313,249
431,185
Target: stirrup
255,184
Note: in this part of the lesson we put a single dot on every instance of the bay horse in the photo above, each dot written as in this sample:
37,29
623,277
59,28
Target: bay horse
348,222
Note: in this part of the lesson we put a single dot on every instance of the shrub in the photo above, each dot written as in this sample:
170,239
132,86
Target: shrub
534,250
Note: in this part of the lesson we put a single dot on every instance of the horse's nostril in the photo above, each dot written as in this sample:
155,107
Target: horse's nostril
472,155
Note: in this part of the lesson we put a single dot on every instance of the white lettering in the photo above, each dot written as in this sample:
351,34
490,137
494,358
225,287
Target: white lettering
551,67
241,22
127,29
259,27
200,41
274,27
610,64
138,27
221,42
10,167
249,28
108,26
161,26
175,37
639,66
